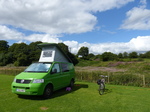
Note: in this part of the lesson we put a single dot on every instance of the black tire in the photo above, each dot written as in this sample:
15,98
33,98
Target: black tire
71,83
47,92
101,88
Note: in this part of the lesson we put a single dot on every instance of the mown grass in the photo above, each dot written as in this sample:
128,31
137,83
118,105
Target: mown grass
83,98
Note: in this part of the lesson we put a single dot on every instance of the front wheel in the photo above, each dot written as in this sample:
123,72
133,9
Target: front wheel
101,88
48,91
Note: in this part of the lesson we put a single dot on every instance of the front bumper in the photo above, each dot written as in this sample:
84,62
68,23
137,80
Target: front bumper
27,89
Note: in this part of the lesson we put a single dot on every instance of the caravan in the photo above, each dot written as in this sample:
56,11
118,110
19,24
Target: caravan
53,71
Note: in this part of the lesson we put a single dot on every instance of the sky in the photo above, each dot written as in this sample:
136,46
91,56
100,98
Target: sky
115,26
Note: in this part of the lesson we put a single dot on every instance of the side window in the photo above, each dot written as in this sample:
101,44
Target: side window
55,69
65,67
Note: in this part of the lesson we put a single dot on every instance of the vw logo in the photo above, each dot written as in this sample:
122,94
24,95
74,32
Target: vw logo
22,80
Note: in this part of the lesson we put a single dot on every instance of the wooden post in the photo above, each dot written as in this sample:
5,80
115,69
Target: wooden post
108,78
143,80
81,76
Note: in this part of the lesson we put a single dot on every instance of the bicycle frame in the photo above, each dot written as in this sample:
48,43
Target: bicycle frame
101,83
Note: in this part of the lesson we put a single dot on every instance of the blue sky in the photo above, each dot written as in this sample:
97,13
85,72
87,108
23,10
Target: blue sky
102,26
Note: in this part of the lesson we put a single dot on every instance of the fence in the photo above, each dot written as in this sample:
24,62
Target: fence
118,78
11,70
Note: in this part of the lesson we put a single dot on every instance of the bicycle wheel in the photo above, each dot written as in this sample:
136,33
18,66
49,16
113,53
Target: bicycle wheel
101,88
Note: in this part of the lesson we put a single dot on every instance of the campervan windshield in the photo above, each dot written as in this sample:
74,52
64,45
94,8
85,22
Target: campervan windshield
38,67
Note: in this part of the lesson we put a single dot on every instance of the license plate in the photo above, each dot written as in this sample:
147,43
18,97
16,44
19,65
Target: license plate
20,90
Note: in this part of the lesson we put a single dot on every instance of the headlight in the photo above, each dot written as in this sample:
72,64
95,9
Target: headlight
38,81
14,80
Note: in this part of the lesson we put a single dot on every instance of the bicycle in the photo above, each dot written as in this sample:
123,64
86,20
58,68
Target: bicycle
101,83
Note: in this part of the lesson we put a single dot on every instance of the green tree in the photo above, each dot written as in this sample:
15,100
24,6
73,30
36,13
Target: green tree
34,51
125,55
97,57
108,56
22,60
3,46
2,59
133,55
120,55
5,57
91,56
83,52
19,51
142,55
8,58
147,54
64,47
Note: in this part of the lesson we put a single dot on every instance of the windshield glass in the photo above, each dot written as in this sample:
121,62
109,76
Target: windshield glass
38,67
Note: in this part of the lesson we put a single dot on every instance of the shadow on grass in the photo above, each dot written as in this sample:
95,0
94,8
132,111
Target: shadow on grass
55,94
107,91
63,91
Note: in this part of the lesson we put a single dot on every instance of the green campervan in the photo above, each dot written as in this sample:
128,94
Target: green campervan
53,71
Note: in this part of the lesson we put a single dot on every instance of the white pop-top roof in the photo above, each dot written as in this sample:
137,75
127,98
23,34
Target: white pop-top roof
51,52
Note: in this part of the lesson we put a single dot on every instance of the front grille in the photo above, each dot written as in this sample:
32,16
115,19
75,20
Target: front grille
23,81
21,87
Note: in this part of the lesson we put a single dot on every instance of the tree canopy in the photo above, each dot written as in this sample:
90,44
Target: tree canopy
3,46
83,52
108,56
19,54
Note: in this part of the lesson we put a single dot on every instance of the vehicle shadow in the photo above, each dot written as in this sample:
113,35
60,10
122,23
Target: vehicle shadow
55,94
63,91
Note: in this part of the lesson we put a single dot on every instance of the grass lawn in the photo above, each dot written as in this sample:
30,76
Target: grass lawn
83,98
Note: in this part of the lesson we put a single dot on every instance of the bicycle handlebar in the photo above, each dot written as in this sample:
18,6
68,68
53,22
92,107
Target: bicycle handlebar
103,76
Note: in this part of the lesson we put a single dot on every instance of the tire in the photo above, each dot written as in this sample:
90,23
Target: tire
101,88
71,83
47,92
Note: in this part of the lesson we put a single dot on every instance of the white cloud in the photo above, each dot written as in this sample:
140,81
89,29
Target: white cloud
138,18
140,43
55,16
73,46
9,34
44,38
103,5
